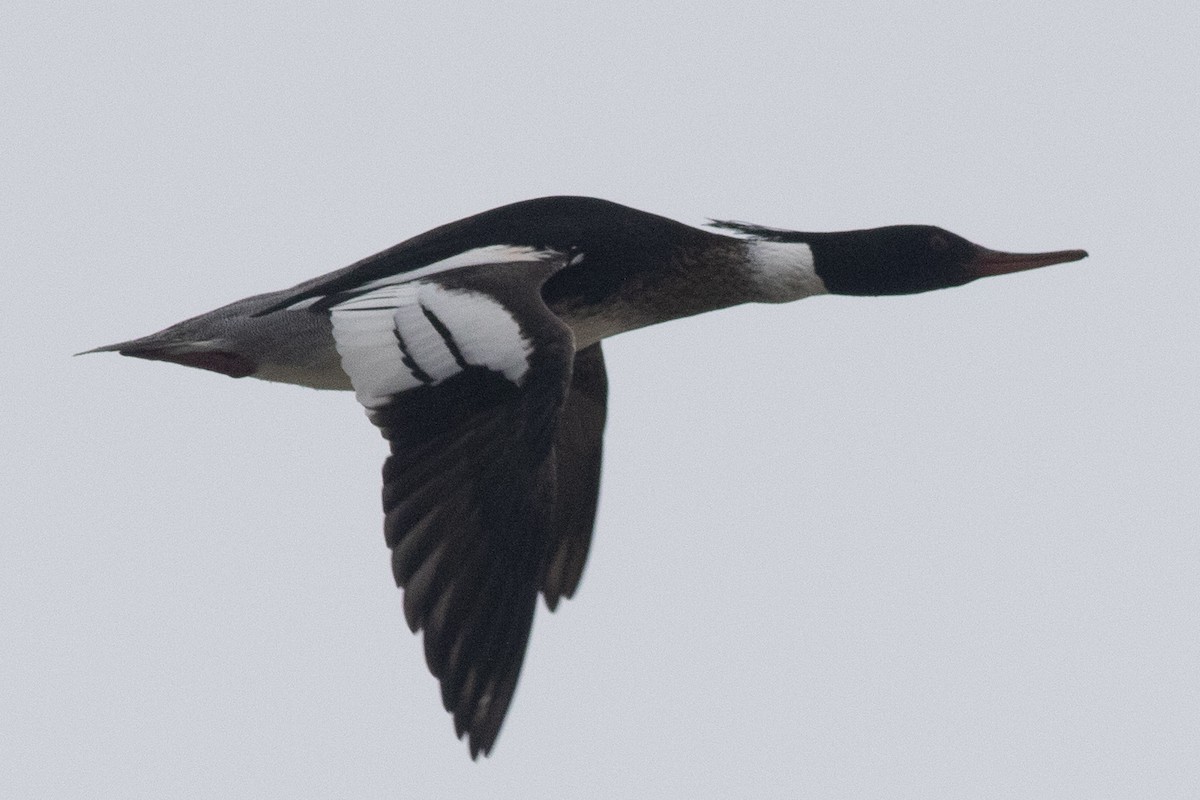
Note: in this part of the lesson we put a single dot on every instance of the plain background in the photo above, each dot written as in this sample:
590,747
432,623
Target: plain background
939,546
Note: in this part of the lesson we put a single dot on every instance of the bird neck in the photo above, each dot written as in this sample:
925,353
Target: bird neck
782,271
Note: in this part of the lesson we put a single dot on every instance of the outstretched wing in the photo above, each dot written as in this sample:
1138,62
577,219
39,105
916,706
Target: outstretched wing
578,447
466,372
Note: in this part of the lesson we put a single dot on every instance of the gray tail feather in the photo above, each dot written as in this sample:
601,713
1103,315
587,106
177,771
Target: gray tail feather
201,355
110,348
154,343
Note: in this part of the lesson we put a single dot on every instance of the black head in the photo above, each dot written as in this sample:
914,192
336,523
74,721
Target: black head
904,259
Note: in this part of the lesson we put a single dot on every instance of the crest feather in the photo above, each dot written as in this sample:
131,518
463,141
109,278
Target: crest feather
754,231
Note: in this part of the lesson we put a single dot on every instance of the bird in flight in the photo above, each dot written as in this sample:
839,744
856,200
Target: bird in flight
476,349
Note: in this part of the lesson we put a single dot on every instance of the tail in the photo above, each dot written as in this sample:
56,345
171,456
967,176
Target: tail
201,355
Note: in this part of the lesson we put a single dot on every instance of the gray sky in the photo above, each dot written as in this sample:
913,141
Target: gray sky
932,546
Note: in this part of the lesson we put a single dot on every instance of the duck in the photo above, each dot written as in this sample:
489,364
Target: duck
475,348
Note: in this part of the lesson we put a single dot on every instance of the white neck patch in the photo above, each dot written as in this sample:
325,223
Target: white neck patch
783,271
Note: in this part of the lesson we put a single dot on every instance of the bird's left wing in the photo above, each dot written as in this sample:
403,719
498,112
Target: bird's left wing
465,371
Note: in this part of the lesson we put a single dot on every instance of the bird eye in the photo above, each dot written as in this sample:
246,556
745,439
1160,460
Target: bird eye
938,242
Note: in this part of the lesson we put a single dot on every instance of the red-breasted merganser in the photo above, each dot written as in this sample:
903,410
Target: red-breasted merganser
475,347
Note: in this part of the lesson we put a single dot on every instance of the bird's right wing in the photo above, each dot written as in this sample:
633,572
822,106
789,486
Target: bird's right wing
578,447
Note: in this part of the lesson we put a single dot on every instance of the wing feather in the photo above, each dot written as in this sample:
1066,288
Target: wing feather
578,447
467,377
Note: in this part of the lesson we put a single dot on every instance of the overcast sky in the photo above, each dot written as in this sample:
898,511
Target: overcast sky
939,546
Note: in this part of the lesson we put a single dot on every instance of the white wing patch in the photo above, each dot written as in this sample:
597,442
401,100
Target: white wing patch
404,335
486,333
432,359
492,254
364,332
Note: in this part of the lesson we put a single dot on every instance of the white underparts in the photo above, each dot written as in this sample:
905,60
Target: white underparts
783,271
406,335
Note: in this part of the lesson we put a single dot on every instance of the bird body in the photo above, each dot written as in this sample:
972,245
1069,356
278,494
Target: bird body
476,349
